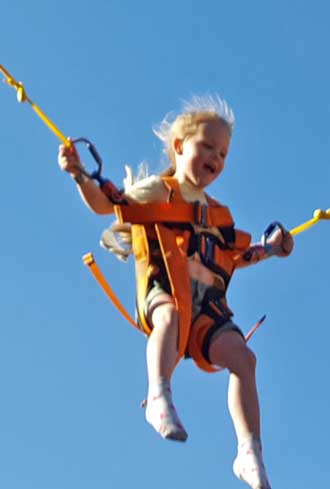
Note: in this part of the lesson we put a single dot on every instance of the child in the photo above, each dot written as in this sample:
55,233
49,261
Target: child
186,248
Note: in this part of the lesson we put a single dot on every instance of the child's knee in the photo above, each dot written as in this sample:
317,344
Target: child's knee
164,315
231,351
245,363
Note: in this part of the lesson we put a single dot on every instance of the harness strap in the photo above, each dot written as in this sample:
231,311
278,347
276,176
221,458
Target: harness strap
141,250
88,259
173,187
196,213
178,275
199,331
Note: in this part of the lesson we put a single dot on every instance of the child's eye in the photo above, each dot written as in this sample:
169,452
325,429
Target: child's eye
207,145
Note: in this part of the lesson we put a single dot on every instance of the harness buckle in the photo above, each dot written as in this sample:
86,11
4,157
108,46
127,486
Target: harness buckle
200,214
206,247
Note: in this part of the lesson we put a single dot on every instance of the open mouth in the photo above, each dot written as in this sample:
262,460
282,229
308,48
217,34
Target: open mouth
210,168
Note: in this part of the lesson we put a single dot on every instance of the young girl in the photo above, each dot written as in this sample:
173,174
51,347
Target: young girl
186,248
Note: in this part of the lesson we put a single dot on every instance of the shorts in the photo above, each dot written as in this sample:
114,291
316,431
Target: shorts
201,296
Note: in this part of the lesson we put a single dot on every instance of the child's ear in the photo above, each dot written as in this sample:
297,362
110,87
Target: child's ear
178,146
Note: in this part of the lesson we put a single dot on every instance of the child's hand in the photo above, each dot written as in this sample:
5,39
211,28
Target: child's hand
281,242
69,160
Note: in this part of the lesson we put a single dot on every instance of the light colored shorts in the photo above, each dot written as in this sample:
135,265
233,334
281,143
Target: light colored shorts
198,291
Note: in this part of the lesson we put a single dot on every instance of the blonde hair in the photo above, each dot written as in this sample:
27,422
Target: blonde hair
198,109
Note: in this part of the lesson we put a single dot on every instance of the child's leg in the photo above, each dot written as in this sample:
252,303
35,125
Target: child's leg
162,344
229,350
161,360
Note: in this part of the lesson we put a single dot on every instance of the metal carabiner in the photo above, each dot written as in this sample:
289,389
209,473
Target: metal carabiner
95,175
268,233
110,190
270,230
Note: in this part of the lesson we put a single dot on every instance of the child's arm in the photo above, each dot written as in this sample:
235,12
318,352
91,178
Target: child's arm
90,192
280,243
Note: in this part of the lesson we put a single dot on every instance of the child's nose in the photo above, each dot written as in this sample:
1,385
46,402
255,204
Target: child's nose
216,156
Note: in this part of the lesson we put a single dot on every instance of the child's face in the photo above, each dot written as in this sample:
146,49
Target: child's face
200,158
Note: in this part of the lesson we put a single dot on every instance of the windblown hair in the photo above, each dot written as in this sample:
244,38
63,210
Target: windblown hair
117,239
199,109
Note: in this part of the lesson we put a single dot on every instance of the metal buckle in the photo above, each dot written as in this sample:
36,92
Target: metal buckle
200,214
207,254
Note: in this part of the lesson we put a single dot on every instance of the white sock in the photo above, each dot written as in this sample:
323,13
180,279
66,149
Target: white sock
161,413
248,465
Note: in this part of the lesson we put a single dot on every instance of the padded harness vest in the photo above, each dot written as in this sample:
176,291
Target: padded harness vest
164,234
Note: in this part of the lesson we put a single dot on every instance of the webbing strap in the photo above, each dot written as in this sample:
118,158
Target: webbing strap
178,275
157,212
89,260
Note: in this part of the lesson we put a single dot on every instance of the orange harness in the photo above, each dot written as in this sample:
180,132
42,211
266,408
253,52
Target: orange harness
162,233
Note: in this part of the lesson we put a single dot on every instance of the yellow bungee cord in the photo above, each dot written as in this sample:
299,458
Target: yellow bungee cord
317,216
22,97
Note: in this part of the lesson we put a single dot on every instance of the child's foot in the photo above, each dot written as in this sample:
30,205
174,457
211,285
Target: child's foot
161,413
249,466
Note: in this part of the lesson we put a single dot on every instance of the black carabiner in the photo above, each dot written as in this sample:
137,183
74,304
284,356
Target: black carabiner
95,175
268,232
108,188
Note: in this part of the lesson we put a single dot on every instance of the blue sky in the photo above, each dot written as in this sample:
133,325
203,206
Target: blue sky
72,370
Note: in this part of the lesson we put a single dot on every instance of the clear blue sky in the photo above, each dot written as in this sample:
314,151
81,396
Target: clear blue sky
72,371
